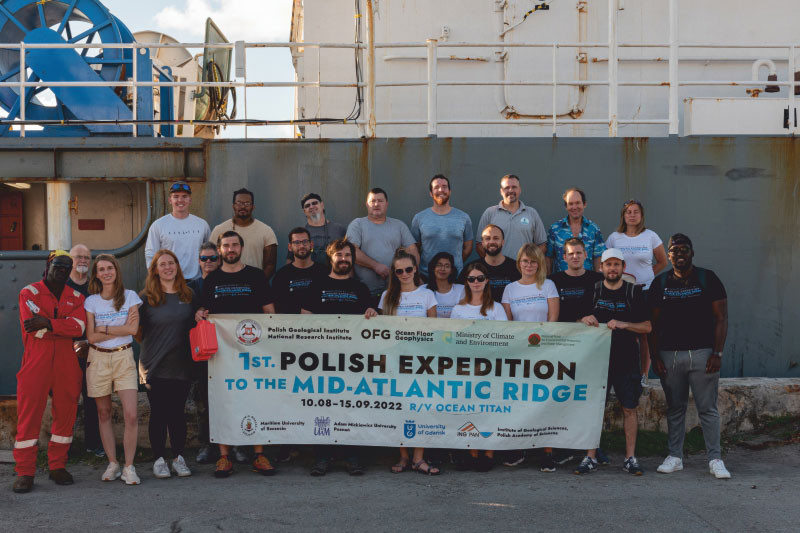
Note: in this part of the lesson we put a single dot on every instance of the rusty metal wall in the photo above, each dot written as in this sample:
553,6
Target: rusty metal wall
735,196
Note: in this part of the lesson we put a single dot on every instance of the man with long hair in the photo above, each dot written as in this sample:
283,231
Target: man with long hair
50,315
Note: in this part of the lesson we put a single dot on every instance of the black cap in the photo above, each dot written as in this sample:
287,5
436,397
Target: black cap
309,196
680,238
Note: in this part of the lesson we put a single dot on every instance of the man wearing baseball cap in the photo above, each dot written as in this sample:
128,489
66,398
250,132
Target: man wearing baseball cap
180,232
621,306
690,323
322,230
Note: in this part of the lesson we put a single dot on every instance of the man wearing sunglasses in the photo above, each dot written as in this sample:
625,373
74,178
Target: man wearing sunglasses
179,231
261,245
690,324
322,231
291,282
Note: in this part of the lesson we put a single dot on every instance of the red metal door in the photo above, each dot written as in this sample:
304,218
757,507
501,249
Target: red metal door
11,221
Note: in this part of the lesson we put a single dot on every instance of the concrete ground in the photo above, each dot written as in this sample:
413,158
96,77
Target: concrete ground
762,495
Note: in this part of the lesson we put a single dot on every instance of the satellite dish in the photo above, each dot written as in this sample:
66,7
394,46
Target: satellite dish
212,102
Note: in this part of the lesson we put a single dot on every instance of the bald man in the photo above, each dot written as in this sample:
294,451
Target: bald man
79,277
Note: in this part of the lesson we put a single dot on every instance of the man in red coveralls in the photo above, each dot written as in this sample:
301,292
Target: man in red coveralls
51,315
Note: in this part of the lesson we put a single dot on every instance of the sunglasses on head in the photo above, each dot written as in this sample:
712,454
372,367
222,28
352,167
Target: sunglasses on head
479,279
180,187
407,270
311,204
206,258
632,201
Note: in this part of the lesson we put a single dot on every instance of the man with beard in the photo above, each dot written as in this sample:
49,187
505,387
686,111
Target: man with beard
520,223
179,232
690,323
79,280
51,315
321,230
620,305
502,270
291,282
338,294
442,228
236,288
261,250
376,238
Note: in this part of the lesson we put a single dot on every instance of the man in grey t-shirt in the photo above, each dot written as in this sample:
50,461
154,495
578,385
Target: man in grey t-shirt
442,227
520,223
376,238
322,230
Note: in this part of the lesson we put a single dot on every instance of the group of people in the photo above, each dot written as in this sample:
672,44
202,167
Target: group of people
376,265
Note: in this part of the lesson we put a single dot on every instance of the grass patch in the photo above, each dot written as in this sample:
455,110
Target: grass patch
651,443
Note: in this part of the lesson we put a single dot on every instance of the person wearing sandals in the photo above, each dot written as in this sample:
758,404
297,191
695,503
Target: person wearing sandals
442,282
112,318
533,298
406,296
165,362
478,304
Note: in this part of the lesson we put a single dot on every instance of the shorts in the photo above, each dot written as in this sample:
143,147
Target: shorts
627,387
109,372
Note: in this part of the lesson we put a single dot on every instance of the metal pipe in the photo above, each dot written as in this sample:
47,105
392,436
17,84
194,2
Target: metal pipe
758,63
432,87
59,223
612,68
371,68
792,108
135,90
23,77
674,120
555,90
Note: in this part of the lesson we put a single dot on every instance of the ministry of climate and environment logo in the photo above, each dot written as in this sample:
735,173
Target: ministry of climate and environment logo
534,339
248,425
447,337
248,332
410,429
469,430
322,426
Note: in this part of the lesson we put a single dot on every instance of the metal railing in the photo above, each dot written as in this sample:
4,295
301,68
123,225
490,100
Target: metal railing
432,82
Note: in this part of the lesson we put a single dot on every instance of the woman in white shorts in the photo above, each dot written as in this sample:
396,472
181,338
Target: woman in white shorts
533,298
478,304
442,282
406,296
112,314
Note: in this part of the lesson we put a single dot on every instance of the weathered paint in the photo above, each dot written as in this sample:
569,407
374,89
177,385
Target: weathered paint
735,196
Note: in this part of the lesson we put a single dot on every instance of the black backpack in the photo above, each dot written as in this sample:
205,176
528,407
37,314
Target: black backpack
629,288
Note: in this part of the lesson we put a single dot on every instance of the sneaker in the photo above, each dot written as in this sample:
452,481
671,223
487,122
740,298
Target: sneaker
261,465
112,472
671,464
562,457
546,463
180,468
717,467
240,455
645,385
320,468
97,452
61,477
224,467
514,458
129,475
207,455
355,469
160,469
602,458
631,466
587,465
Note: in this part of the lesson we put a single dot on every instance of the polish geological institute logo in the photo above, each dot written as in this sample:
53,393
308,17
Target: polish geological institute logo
248,425
410,429
248,332
322,426
469,430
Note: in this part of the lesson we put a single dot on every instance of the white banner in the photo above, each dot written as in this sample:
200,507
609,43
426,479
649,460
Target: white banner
394,381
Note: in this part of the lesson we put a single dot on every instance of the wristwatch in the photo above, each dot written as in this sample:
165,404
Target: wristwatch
717,353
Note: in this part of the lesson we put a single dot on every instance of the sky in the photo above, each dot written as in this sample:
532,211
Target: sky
239,20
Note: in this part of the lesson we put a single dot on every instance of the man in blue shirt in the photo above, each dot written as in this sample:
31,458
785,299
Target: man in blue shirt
574,225
442,227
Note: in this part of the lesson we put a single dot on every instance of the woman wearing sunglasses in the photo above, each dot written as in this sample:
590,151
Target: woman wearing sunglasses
533,298
442,282
406,296
478,304
639,245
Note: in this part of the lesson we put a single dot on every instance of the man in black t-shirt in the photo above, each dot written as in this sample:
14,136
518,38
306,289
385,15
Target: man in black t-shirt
576,284
291,282
621,306
236,288
502,269
690,323
338,294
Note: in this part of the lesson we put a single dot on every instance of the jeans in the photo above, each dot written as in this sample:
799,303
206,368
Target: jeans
168,414
687,370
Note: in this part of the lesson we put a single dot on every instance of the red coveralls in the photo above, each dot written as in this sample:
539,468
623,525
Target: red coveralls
48,364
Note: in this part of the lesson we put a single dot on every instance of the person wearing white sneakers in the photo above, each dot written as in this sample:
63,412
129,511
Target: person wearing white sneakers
112,318
165,362
690,324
